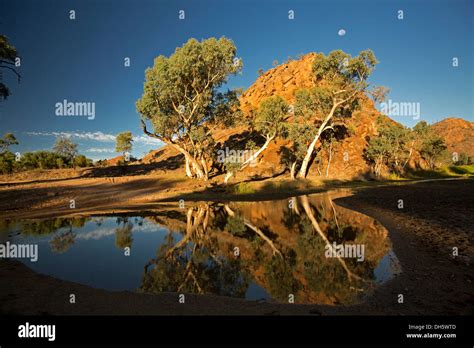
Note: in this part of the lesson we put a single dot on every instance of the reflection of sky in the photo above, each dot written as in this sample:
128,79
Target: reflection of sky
94,259
388,267
104,232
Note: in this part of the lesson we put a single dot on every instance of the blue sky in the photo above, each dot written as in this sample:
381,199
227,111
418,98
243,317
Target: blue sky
83,59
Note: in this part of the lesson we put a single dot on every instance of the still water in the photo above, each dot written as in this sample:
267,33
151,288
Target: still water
307,248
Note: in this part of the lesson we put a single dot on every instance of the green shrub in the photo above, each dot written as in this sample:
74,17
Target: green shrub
7,162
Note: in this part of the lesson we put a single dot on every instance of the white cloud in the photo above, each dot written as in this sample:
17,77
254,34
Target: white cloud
146,140
98,136
100,150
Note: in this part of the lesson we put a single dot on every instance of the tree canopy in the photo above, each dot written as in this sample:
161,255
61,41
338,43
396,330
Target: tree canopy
123,142
182,100
7,140
65,147
8,54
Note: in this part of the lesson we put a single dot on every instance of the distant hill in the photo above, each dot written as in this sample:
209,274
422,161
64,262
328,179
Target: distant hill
457,133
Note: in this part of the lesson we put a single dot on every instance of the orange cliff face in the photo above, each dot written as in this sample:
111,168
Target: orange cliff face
282,80
458,135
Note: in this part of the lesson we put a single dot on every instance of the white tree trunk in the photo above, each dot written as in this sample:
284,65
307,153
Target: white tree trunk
189,173
293,170
316,226
251,158
196,167
309,152
256,230
256,154
329,160
228,175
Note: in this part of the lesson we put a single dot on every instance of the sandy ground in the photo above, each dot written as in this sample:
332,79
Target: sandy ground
436,217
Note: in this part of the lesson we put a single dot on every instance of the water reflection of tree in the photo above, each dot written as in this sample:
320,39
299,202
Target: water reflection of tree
192,265
291,261
48,226
123,236
279,274
61,242
123,232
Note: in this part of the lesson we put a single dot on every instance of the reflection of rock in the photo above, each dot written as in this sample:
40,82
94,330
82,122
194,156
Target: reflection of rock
280,249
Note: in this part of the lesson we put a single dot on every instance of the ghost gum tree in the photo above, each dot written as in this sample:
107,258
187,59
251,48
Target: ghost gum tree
269,122
301,134
341,82
182,101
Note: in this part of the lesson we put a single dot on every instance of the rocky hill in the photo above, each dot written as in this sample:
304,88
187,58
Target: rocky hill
458,135
347,157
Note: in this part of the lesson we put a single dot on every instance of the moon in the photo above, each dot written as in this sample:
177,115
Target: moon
341,32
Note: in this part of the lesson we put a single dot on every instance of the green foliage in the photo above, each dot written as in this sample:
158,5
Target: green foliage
82,161
242,188
65,147
343,70
40,160
182,98
464,159
189,79
7,140
7,162
390,147
8,53
463,169
270,117
251,145
431,146
232,166
123,142
280,278
313,101
443,172
432,149
301,135
236,225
